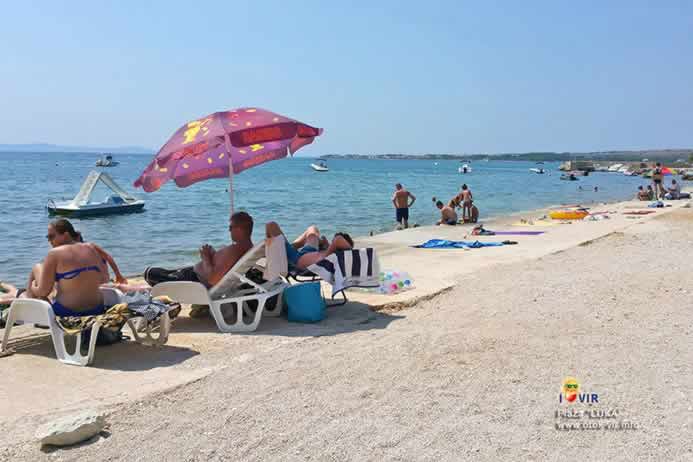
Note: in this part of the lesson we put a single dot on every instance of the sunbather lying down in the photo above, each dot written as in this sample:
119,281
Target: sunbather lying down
310,247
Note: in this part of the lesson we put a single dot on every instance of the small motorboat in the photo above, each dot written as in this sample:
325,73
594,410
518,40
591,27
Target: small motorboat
107,161
538,171
464,168
321,166
119,203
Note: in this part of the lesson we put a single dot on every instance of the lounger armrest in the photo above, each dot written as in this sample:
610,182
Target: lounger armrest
183,292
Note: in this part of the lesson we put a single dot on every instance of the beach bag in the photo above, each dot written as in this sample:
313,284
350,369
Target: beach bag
304,302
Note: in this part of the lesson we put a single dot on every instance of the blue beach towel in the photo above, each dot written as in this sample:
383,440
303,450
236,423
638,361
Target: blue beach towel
445,244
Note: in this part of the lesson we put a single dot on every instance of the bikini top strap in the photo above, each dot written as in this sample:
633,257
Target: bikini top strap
75,272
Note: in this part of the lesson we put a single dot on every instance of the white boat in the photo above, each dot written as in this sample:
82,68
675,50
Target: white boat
107,161
623,169
539,171
321,166
464,168
80,206
614,168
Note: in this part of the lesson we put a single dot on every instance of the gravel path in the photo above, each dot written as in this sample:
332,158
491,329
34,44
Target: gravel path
474,373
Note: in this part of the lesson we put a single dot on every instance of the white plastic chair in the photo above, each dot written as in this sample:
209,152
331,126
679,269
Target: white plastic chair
228,292
35,311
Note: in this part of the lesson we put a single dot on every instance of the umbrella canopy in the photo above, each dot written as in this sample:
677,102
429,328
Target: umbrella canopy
666,171
224,143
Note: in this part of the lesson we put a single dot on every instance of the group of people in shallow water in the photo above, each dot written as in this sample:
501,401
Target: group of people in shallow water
73,271
403,200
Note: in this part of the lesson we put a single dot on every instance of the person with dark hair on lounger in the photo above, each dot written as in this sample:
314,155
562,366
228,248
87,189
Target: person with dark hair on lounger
74,268
310,247
214,264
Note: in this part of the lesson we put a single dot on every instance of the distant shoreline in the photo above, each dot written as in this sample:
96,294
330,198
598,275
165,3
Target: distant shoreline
665,155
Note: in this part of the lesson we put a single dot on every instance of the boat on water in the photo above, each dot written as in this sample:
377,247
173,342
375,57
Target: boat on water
614,168
119,203
538,171
320,166
107,161
569,177
464,168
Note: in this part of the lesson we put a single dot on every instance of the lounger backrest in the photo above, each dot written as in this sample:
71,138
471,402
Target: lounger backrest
231,279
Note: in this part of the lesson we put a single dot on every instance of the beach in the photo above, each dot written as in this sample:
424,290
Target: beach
467,365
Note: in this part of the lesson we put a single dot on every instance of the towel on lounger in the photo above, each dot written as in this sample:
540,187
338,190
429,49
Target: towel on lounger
349,268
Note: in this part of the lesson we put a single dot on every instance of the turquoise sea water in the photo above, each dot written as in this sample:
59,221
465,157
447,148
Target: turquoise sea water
353,196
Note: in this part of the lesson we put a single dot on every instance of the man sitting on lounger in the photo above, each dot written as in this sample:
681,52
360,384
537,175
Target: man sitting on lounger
310,247
447,214
214,264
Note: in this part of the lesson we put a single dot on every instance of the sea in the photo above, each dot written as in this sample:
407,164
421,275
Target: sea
354,196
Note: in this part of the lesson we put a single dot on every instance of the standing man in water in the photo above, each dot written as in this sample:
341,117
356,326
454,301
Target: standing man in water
400,199
657,176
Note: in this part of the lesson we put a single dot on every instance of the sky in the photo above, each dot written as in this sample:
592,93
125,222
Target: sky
379,77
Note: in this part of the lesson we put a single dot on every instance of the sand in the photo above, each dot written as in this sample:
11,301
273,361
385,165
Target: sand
471,371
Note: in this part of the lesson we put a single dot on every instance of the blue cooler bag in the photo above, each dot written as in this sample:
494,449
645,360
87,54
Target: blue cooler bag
304,302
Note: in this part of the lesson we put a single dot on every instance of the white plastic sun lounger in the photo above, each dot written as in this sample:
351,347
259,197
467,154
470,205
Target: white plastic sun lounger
229,292
35,311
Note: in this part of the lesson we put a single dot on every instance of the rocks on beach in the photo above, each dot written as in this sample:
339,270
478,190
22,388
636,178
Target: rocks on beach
71,429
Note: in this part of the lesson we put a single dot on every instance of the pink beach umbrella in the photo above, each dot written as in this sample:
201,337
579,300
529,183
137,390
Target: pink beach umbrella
223,144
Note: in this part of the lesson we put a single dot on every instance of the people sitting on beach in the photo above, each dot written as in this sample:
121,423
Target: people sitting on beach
642,194
674,191
650,193
214,263
73,268
447,214
310,247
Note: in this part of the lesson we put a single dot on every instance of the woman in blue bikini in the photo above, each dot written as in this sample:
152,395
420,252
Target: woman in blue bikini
75,269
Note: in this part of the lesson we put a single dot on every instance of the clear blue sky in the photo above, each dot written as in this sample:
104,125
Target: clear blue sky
379,76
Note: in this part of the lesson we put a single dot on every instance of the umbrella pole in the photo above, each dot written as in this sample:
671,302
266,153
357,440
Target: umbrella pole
227,141
231,183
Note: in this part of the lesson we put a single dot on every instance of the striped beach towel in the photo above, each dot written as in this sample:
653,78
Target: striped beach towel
349,268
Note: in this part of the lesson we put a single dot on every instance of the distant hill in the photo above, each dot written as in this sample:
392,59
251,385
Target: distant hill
43,147
664,155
